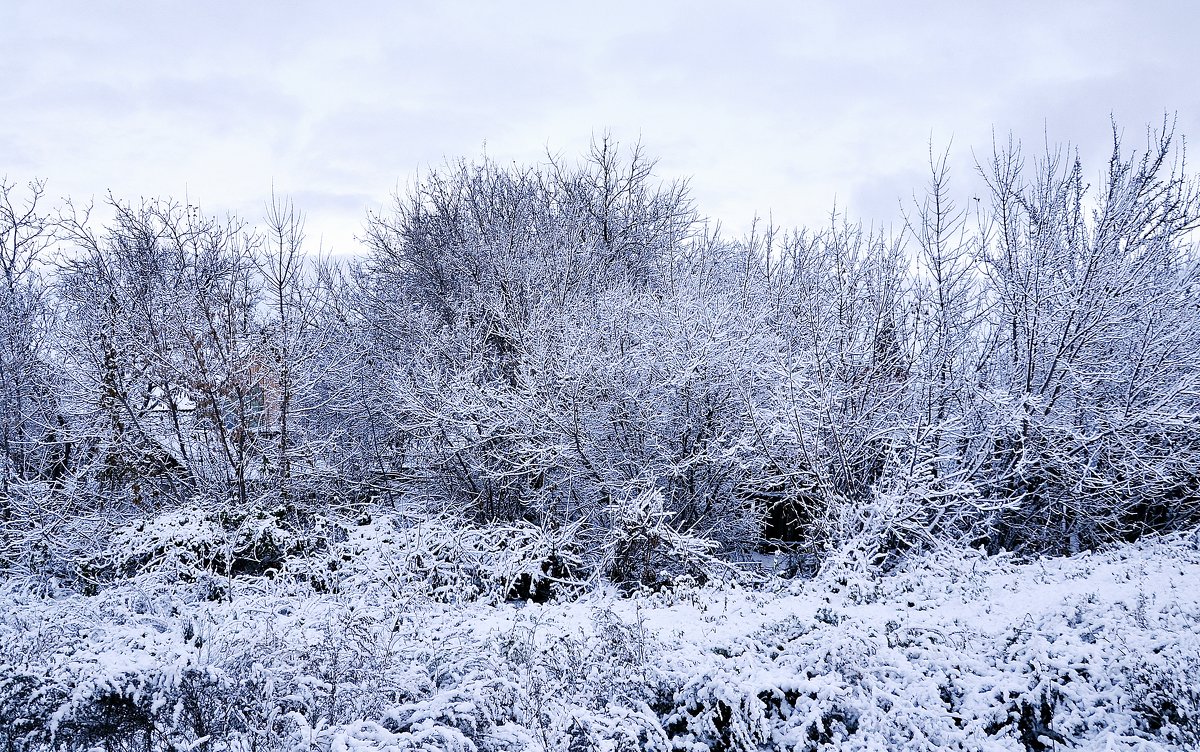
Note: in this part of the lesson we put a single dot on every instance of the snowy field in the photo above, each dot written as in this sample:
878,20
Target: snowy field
954,651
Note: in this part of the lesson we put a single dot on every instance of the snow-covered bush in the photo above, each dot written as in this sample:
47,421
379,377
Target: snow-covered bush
644,549
1104,658
453,561
195,543
1168,695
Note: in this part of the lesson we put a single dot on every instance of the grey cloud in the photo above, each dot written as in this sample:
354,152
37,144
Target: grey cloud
772,107
326,201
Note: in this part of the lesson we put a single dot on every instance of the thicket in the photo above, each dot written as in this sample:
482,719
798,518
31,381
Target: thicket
572,351
404,646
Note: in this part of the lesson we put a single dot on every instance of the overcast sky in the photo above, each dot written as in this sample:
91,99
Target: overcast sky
768,107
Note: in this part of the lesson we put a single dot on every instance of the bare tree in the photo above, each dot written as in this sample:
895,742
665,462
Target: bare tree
165,331
34,452
1098,340
462,267
306,356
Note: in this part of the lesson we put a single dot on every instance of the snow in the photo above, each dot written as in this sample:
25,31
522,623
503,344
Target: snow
956,650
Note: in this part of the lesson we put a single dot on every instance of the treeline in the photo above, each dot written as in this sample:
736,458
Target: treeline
573,345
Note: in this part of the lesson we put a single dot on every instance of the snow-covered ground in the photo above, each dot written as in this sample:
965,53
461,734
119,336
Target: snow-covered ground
955,651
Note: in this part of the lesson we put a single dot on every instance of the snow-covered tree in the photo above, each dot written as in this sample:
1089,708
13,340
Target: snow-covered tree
163,342
35,449
1097,338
